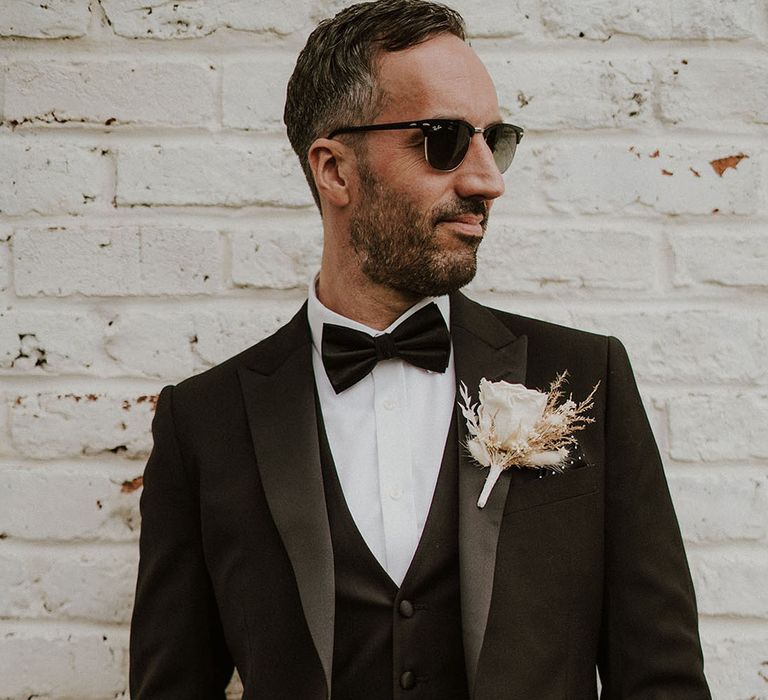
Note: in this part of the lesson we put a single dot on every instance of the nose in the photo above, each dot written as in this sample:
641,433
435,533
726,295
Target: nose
478,176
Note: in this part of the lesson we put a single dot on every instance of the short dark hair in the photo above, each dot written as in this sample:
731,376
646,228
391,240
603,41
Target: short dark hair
334,81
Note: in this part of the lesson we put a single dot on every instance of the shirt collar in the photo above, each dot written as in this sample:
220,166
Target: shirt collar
318,314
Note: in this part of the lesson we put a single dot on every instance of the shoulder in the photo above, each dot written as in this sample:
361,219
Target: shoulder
536,330
552,349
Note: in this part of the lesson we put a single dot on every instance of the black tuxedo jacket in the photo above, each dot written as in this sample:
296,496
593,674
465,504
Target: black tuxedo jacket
558,574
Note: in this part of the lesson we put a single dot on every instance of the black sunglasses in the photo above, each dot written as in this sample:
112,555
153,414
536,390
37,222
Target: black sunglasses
446,141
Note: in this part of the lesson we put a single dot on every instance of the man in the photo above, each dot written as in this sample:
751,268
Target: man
309,512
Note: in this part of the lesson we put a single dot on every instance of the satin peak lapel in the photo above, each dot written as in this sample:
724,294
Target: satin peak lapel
280,402
484,347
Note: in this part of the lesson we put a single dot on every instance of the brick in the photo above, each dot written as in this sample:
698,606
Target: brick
253,92
108,92
117,261
726,506
189,18
718,427
685,346
131,343
151,345
569,259
176,260
673,180
687,85
731,582
223,333
49,426
732,19
61,261
275,259
545,92
488,18
44,20
653,19
5,263
49,341
5,438
735,657
89,504
262,174
10,342
51,179
63,663
726,257
68,583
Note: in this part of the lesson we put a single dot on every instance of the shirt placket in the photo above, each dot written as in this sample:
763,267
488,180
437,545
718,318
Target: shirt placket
396,483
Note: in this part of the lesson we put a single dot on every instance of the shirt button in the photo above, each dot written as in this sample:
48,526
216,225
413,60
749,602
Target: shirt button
408,680
395,492
390,404
406,608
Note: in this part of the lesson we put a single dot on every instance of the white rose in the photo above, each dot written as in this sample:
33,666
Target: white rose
514,410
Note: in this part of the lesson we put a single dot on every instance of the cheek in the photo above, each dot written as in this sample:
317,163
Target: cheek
406,177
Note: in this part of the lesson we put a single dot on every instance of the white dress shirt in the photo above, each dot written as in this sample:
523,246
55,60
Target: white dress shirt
387,435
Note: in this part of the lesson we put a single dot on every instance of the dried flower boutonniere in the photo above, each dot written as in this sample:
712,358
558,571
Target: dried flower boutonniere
513,426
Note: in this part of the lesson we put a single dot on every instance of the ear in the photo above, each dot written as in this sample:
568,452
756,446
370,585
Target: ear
332,165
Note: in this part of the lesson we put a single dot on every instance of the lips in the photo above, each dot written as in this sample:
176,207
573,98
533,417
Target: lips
470,219
471,225
465,230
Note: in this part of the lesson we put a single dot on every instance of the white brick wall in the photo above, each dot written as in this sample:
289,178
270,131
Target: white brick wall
153,221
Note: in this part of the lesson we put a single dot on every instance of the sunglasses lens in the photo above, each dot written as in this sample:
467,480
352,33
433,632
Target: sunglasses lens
502,140
447,144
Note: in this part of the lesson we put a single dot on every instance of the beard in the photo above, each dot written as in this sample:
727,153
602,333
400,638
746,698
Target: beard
398,245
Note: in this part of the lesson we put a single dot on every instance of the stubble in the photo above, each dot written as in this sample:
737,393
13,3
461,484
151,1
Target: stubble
399,246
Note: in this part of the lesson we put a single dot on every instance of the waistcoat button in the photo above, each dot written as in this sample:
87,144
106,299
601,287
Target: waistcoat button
406,608
408,680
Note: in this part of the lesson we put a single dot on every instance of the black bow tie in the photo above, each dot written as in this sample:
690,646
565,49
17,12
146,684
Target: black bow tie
421,340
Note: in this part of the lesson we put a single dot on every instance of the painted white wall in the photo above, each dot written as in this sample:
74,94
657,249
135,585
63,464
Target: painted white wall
153,221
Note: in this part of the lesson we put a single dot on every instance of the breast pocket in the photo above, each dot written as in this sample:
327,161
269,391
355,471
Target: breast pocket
527,490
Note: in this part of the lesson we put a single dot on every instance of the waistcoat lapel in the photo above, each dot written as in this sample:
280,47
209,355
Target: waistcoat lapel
484,348
278,391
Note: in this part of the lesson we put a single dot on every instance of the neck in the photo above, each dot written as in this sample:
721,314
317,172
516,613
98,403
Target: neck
357,298
342,287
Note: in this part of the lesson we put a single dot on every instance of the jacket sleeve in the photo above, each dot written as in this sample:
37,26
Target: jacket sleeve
650,648
177,648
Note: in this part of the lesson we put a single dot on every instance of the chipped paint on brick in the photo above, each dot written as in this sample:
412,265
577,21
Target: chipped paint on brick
152,398
720,165
132,485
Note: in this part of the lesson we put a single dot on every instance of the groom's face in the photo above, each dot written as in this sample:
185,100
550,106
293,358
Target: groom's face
414,228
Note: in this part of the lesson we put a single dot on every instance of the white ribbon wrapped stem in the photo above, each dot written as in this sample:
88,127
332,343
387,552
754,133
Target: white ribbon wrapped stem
490,482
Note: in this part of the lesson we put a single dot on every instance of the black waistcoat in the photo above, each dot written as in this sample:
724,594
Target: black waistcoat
392,643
